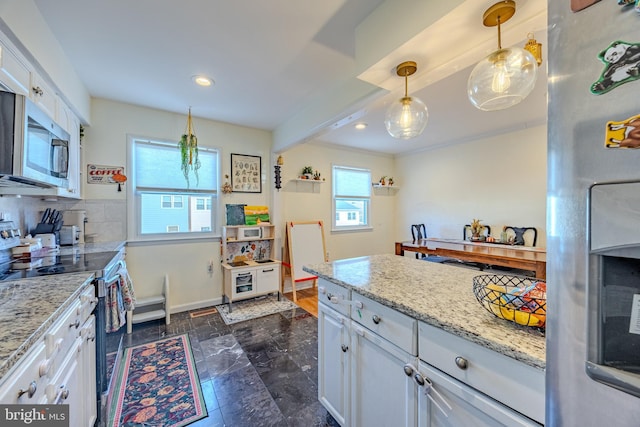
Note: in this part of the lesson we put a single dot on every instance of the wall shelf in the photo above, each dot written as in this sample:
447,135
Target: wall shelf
384,189
311,181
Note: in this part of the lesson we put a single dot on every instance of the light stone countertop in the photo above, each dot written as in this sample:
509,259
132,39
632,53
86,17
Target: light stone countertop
87,248
28,307
440,295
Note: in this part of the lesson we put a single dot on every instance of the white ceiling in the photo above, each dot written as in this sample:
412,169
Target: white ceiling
271,59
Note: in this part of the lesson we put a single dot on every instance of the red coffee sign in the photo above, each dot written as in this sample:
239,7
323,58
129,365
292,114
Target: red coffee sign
97,174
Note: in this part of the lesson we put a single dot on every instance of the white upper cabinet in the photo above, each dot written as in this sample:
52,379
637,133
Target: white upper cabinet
44,96
14,74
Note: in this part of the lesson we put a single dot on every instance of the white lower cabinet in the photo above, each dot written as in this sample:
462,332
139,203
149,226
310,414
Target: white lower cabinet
379,367
381,393
445,402
334,362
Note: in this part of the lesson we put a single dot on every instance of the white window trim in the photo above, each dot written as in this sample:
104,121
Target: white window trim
133,206
353,228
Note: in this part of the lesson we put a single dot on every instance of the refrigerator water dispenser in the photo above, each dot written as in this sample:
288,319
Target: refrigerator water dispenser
614,286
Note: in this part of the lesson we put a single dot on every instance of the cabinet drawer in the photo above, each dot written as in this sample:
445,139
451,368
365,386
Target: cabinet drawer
515,384
62,334
268,278
335,296
391,325
28,374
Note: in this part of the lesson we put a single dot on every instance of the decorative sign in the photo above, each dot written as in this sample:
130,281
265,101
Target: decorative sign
246,173
97,174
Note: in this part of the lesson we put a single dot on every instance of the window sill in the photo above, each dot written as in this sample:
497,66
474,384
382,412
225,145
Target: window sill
351,230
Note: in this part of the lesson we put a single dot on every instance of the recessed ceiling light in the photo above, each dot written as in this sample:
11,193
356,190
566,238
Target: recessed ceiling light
360,126
202,80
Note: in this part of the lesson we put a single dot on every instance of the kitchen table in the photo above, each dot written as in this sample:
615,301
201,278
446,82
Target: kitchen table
522,257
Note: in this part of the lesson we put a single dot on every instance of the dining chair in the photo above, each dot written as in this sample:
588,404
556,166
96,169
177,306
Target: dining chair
523,236
418,232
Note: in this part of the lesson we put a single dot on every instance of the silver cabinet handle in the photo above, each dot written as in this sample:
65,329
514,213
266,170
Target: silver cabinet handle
75,324
419,379
376,319
344,348
462,363
30,391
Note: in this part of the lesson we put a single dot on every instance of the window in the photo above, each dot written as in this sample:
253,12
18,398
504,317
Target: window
203,204
351,197
171,202
163,201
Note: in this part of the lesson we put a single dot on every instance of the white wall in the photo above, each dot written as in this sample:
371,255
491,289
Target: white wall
500,180
186,262
301,201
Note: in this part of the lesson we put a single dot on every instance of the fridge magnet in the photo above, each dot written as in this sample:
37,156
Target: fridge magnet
622,63
578,5
246,173
624,134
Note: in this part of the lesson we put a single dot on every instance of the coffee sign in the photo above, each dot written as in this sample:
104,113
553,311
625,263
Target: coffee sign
98,174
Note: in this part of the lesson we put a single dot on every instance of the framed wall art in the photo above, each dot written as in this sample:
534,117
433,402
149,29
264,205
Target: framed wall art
246,173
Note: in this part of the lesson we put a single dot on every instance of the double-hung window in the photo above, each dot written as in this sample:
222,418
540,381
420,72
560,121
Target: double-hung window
351,198
164,203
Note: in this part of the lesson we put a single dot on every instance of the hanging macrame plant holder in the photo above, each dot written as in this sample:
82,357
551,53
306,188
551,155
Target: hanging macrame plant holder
189,151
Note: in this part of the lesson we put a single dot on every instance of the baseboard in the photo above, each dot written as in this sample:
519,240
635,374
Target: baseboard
195,305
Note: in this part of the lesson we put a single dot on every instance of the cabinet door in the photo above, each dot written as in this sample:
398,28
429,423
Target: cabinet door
44,96
88,362
333,363
268,278
13,73
381,393
243,284
446,402
74,181
66,386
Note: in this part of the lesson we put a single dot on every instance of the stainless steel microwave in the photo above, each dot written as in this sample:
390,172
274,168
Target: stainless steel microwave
34,149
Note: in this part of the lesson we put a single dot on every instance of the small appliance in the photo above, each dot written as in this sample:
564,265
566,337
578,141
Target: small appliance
249,233
48,240
35,149
69,235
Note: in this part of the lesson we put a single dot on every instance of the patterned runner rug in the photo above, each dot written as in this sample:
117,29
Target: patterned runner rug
158,386
254,308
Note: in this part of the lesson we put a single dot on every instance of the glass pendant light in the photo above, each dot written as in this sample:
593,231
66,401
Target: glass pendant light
506,76
407,117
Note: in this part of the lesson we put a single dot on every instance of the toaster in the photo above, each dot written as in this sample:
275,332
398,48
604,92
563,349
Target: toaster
69,235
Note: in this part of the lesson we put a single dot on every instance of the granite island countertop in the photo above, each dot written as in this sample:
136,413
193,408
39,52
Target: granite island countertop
28,307
439,295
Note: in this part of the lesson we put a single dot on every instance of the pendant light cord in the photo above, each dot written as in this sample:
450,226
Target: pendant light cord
499,34
406,83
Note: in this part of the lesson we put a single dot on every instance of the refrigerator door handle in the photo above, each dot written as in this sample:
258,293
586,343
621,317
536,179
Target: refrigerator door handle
616,378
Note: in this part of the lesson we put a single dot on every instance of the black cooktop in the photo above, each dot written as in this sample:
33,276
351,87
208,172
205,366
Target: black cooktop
56,264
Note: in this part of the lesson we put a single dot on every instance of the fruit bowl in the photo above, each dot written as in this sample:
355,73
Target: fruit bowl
515,298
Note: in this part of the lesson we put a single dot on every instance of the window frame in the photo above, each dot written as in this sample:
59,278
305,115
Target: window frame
349,228
134,205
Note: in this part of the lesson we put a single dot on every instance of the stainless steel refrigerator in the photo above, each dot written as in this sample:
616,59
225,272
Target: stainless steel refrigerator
593,215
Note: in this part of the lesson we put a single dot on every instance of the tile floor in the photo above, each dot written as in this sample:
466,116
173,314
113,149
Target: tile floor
262,372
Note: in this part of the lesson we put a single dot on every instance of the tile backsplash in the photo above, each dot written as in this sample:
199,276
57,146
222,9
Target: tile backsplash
106,218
